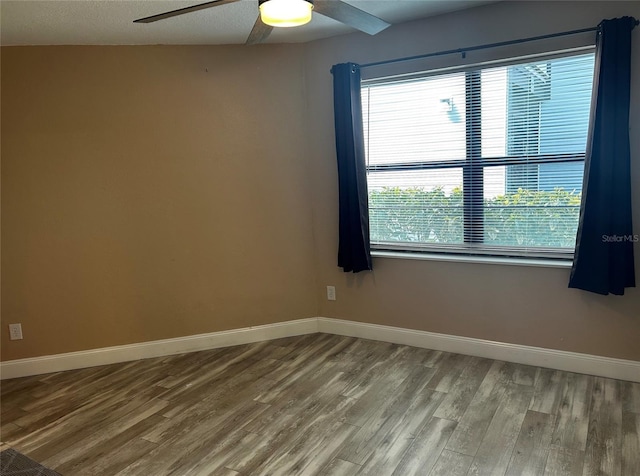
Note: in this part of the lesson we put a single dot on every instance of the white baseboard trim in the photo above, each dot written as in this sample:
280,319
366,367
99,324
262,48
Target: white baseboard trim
521,354
158,348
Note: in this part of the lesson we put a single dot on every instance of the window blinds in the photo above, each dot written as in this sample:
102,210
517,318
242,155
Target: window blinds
486,160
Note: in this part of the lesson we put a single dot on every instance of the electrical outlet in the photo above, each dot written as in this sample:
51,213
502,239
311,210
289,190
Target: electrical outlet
331,293
15,331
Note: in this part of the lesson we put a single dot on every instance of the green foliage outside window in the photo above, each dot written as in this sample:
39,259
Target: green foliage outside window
524,218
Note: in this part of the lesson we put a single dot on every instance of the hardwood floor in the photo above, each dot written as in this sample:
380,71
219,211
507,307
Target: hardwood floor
325,405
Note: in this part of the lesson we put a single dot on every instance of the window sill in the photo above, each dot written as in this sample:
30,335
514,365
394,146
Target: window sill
534,262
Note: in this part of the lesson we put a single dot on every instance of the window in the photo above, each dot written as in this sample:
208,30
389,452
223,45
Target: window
486,160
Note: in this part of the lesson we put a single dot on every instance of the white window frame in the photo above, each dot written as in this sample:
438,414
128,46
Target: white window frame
472,250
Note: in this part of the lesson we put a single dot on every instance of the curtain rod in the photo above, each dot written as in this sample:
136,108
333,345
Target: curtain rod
463,51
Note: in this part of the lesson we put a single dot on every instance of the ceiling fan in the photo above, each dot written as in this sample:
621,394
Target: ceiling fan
286,13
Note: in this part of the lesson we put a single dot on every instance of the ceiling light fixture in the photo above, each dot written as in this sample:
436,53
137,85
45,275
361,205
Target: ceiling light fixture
285,13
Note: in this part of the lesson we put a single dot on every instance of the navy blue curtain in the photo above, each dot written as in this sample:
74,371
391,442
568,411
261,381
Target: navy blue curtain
603,261
354,252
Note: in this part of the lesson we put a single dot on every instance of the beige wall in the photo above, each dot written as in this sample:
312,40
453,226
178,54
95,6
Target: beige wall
151,192
156,192
521,305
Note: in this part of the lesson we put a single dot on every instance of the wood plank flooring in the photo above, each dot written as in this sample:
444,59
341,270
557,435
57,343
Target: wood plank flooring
323,405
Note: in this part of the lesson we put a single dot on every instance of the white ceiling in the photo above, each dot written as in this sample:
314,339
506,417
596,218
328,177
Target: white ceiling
110,22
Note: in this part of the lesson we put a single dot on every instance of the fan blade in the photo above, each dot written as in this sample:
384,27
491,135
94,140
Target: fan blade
350,15
182,11
259,32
